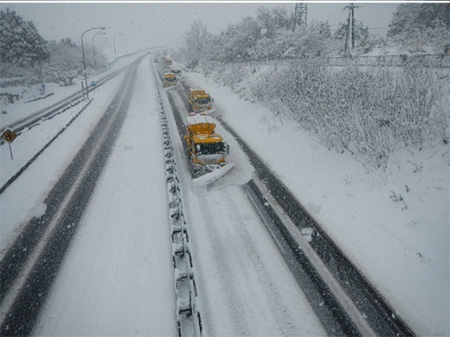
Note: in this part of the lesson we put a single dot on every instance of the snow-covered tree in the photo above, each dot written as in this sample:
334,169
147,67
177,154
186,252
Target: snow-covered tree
281,18
262,37
65,61
235,43
266,22
65,53
313,41
324,29
244,37
418,25
434,15
403,18
197,39
20,42
409,18
361,32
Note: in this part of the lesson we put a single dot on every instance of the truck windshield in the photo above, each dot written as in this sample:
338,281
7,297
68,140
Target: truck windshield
205,100
211,148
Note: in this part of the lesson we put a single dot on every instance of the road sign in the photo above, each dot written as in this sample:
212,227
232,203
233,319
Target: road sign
9,136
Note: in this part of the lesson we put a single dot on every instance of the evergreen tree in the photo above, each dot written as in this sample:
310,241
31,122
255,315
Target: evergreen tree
20,43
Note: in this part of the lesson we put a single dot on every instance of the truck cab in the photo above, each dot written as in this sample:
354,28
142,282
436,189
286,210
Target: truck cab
204,144
170,80
199,100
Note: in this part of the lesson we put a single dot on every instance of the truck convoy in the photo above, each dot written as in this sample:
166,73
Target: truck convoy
204,144
200,101
207,149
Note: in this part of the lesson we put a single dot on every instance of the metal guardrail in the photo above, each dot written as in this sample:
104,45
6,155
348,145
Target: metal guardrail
187,311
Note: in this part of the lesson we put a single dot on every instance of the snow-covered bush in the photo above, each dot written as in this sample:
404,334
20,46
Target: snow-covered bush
369,112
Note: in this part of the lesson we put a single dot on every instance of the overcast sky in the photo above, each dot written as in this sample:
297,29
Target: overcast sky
154,24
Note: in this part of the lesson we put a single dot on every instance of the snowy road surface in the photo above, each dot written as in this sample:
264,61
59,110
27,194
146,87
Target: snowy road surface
241,271
117,278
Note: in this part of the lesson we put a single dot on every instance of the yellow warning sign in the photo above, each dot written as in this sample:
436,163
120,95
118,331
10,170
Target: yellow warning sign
9,136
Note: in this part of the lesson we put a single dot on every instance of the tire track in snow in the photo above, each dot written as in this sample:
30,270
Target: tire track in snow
219,247
281,316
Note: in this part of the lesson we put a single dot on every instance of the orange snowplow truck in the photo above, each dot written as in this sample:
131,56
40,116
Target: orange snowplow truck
167,62
199,100
204,144
170,80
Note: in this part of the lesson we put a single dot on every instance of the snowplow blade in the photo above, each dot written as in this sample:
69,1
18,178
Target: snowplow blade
210,111
211,177
171,87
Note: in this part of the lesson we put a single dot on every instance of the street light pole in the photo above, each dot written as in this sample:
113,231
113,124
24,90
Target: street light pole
114,43
93,47
84,61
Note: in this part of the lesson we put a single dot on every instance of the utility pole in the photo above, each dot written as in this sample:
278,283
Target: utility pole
350,25
84,61
352,9
300,15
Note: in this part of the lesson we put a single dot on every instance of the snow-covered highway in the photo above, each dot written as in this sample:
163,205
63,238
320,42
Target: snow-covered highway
117,276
